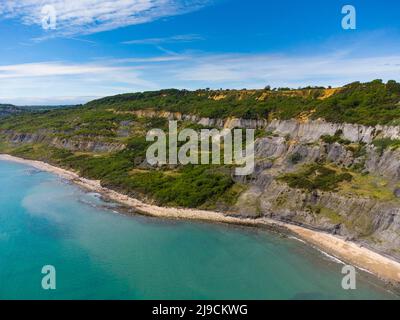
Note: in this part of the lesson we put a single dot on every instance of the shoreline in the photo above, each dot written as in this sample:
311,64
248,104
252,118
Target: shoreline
349,252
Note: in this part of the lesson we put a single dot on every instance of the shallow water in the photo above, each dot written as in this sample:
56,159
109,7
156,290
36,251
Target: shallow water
99,254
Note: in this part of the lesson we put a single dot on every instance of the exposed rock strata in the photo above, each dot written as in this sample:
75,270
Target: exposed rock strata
366,219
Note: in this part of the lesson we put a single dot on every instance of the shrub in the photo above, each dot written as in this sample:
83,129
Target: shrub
295,158
385,143
316,177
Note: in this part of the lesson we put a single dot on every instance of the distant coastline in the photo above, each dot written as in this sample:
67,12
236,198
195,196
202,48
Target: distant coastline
349,252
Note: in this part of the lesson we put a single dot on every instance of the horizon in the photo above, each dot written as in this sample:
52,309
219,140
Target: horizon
96,52
273,89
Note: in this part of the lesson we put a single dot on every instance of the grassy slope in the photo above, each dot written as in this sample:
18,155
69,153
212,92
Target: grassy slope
363,103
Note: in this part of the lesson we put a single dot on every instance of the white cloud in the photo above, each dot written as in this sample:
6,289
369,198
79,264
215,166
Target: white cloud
60,81
258,70
159,59
45,69
90,72
76,17
172,39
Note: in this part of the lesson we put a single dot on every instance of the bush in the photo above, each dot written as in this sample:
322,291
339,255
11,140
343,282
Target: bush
316,177
295,158
386,143
335,138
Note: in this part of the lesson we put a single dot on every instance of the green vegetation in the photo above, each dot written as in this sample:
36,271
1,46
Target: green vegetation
333,216
386,143
316,177
187,186
358,149
261,133
8,109
368,186
295,158
82,121
191,186
230,197
350,183
323,212
363,103
115,120
336,138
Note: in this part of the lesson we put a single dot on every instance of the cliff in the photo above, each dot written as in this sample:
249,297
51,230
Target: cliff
341,177
8,109
365,209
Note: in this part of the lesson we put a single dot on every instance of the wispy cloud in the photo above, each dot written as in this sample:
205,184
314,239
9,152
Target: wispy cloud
258,70
172,39
53,81
79,17
61,82
45,69
159,59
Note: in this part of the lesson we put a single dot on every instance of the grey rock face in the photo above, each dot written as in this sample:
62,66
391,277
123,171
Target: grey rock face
376,223
312,130
86,145
309,131
73,145
373,222
363,218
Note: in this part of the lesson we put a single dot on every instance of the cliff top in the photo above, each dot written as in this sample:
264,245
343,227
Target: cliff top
369,103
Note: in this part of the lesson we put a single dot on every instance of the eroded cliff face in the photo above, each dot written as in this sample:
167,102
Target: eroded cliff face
366,210
305,131
83,144
309,131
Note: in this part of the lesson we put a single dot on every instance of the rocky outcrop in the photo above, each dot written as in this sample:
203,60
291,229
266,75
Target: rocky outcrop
305,131
310,131
87,145
375,223
286,147
84,144
372,221
228,123
8,109
386,165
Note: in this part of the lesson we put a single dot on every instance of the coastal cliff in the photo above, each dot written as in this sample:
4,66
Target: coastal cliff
365,209
341,177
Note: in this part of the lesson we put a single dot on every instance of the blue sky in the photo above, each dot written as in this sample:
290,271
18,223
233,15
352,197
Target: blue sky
104,47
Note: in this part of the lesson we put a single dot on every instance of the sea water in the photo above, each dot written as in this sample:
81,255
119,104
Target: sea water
99,253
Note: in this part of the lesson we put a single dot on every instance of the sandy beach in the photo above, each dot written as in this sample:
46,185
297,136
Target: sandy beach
346,251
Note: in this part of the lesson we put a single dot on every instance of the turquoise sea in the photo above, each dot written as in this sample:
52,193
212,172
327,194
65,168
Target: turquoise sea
101,254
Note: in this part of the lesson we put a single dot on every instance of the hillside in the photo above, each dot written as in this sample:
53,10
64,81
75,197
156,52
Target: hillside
362,103
8,109
325,158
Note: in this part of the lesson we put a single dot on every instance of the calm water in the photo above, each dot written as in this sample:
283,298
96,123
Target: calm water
101,254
